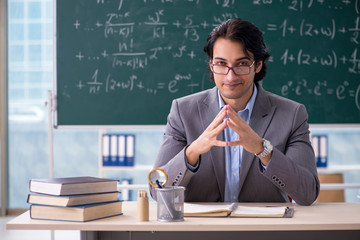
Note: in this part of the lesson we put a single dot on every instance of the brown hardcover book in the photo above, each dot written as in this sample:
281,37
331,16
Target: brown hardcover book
71,200
72,185
81,213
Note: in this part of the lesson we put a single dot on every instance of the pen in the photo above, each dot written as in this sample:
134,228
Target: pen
158,184
167,204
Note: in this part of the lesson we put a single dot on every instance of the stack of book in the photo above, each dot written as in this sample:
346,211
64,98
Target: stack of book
78,199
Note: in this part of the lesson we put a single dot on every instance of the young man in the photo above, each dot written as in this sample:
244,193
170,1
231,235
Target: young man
237,142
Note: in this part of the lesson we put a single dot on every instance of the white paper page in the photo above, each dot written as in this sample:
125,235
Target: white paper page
243,210
200,208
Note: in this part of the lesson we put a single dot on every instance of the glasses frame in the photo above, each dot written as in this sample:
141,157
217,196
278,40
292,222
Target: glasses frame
232,68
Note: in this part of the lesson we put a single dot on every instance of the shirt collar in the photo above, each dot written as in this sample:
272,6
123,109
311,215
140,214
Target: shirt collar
249,105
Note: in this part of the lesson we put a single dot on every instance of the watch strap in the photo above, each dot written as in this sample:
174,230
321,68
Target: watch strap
266,150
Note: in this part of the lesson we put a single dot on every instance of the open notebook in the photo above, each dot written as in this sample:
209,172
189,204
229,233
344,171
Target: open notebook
234,210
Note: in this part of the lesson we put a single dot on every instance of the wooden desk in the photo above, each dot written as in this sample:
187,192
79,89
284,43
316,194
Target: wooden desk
319,221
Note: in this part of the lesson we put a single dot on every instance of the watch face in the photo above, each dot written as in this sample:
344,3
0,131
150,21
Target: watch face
267,145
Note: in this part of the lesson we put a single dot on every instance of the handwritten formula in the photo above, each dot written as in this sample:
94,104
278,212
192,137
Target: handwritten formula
154,49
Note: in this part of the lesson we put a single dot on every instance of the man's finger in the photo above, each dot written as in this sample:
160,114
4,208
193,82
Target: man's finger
221,127
234,116
234,143
218,119
234,126
219,143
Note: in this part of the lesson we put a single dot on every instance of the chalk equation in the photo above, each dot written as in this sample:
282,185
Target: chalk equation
321,88
115,48
328,58
303,5
309,29
110,83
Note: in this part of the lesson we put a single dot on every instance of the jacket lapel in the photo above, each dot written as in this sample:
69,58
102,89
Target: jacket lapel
209,108
260,119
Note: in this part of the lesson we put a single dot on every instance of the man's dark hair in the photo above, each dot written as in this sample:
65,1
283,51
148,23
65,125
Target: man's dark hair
247,34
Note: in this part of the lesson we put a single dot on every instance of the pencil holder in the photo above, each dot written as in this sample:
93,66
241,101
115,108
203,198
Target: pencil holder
142,207
170,204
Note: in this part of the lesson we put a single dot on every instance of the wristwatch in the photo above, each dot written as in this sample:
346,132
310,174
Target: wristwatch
267,149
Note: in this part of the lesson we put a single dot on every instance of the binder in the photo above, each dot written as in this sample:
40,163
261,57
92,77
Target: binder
113,150
106,150
323,151
121,150
315,145
320,146
130,149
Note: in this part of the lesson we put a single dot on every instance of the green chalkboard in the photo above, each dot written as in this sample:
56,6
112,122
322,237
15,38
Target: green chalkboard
122,62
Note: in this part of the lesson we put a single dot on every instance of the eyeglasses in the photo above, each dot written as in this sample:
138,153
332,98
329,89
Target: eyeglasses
238,70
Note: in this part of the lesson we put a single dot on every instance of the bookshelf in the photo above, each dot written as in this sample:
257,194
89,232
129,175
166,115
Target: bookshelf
120,168
334,169
145,167
338,169
130,172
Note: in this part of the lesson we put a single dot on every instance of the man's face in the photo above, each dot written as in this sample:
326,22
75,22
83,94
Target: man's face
233,87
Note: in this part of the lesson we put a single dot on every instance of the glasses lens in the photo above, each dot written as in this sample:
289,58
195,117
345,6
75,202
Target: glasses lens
223,70
219,69
241,70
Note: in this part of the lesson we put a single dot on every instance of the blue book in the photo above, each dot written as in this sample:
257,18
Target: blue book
82,213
